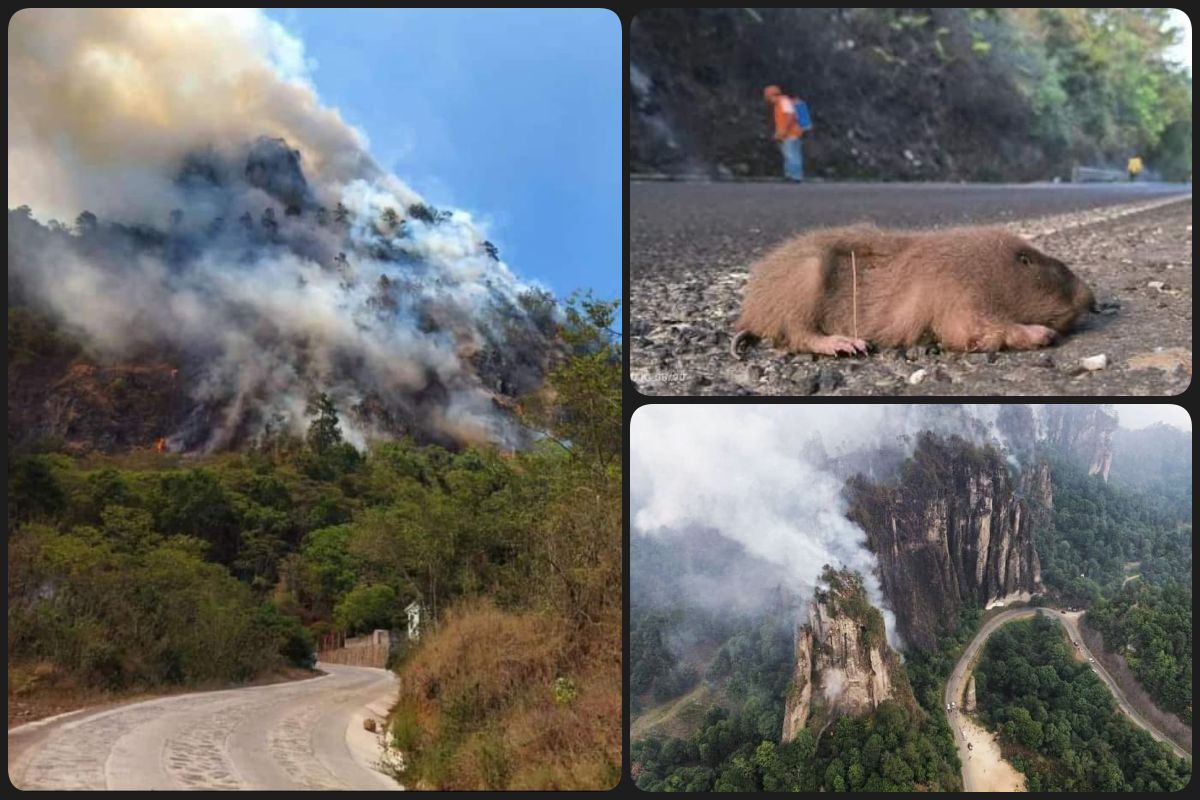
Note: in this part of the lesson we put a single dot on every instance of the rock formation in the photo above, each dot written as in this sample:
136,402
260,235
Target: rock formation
955,529
969,700
843,662
1083,433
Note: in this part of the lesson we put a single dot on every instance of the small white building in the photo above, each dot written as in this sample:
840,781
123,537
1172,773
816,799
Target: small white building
413,612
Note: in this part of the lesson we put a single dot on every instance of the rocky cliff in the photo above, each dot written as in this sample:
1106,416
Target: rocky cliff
1083,433
843,662
954,530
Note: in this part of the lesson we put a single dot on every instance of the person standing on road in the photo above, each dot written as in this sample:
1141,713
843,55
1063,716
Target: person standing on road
788,131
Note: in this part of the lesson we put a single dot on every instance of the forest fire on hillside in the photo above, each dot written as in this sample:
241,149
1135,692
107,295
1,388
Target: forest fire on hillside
235,225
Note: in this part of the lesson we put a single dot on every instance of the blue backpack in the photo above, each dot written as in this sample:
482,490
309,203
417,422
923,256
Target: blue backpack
802,117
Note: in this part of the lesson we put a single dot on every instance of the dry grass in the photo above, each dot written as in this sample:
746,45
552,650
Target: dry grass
680,717
511,700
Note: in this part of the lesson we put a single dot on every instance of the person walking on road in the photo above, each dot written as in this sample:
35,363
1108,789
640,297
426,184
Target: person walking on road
789,128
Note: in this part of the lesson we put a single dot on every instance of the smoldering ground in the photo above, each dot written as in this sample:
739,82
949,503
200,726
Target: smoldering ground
241,229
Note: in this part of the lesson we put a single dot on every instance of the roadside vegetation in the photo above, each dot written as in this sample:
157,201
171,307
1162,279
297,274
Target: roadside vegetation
1126,555
149,570
1151,627
913,94
1058,722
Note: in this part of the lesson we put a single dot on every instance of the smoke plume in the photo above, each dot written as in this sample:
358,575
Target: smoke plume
240,228
751,473
771,478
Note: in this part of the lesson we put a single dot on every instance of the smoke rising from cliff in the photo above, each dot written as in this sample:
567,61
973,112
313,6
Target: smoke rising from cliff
214,171
105,103
749,473
771,478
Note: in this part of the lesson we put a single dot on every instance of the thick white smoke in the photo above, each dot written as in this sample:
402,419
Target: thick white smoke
749,472
771,478
105,103
265,296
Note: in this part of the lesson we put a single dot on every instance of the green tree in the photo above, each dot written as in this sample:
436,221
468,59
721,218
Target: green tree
365,608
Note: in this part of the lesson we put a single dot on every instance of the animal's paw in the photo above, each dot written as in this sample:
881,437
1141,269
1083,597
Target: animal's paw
839,346
1030,337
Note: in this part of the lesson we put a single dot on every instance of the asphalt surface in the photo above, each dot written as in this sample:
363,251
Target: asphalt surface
299,735
720,226
956,684
693,244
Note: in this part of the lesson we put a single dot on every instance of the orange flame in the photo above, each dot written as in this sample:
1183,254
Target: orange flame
161,445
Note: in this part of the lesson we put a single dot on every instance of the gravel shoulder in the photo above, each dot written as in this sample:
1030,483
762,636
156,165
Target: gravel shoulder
1140,254
298,735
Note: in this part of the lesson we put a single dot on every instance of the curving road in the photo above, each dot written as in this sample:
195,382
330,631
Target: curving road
298,735
956,685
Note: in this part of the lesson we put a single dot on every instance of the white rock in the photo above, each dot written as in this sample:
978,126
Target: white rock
1094,363
916,377
1156,285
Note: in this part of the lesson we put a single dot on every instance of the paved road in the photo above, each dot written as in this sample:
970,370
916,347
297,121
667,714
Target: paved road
956,685
297,735
722,226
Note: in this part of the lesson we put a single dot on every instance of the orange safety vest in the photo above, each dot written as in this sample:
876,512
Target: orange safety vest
786,126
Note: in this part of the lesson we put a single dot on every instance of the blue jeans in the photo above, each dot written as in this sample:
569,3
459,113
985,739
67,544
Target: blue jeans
793,159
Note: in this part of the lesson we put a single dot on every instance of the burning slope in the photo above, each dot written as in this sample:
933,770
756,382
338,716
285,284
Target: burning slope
244,236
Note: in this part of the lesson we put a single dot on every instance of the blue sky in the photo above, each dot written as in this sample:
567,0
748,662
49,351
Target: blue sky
512,115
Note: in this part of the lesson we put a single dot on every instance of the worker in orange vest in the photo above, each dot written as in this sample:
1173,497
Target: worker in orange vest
787,132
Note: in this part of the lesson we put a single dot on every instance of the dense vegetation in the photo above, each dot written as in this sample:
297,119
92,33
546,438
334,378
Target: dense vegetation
1059,722
1151,627
887,750
126,576
1099,528
737,744
941,93
1124,551
150,569
656,673
521,688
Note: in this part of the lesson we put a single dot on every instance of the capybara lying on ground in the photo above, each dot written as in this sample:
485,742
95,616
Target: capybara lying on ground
972,289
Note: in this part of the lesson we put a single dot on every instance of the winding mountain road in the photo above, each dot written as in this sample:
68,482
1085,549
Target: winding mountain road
975,776
298,735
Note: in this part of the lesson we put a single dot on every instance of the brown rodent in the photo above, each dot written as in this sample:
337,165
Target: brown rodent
971,289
